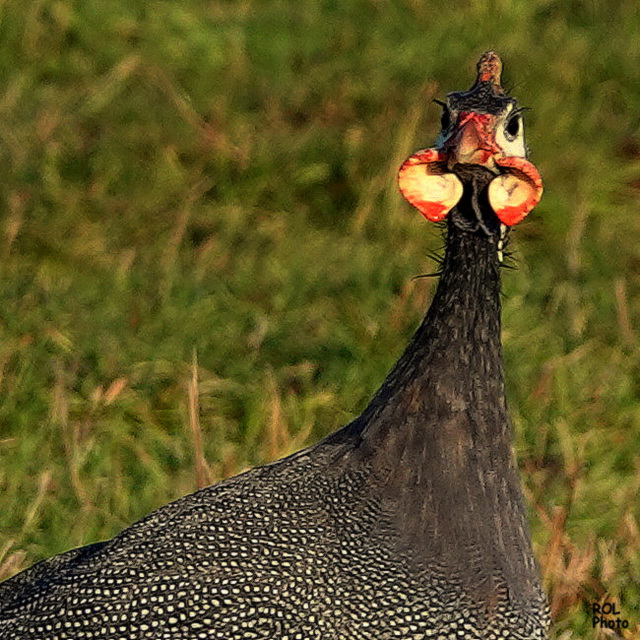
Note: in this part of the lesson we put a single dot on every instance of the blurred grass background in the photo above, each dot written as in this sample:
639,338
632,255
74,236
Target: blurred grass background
205,263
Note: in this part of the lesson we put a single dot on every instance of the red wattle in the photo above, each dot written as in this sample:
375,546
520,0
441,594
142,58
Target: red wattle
515,193
427,185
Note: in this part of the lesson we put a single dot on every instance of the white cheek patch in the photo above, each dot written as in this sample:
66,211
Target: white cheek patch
515,147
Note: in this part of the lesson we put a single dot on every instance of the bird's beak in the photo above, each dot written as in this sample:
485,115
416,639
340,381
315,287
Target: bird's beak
473,142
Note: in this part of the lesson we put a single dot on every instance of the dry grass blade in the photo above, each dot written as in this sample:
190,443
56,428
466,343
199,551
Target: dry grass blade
201,468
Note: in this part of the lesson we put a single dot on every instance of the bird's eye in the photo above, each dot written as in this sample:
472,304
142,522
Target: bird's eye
513,127
445,119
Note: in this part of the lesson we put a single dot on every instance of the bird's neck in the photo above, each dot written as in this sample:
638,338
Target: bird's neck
452,368
437,432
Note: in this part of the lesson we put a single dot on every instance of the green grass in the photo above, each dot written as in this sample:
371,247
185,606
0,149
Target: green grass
217,181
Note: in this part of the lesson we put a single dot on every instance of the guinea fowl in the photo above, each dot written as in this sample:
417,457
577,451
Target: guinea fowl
407,523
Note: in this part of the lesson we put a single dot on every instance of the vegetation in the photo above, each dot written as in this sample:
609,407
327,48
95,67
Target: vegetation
205,263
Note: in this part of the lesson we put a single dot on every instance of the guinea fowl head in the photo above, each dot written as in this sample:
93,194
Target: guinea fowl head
478,173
